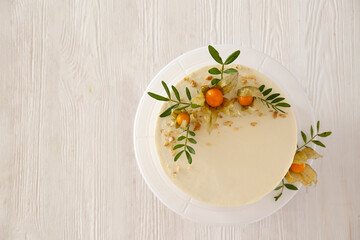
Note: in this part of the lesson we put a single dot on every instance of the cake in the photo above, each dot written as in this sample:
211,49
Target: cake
237,156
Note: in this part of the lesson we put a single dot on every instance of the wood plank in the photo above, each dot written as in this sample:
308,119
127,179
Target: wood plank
72,74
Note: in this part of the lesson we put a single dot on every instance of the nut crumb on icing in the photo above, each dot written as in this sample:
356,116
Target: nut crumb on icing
228,123
275,114
193,83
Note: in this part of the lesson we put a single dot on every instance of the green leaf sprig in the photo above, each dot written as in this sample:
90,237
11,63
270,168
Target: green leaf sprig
185,147
272,101
311,140
281,187
215,71
312,137
179,105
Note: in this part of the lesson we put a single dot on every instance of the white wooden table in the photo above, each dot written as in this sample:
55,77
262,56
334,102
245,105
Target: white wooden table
71,76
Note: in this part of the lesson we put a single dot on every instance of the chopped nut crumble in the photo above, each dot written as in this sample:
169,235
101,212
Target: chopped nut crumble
197,126
228,123
275,114
193,83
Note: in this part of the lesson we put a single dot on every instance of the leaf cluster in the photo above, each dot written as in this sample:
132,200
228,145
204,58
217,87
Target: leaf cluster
306,142
281,187
273,100
312,137
184,146
216,56
178,104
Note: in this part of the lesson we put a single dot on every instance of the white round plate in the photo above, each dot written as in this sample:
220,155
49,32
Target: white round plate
144,135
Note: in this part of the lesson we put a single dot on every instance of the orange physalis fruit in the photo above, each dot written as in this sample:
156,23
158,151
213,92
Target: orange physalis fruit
245,101
214,97
298,168
183,117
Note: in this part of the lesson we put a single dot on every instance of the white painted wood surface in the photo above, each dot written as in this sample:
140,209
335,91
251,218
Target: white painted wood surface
71,76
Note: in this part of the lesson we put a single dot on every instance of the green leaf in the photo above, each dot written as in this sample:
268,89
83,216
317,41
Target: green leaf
311,131
167,112
192,133
178,155
215,81
324,134
303,136
277,109
186,106
278,188
194,105
188,94
214,71
282,104
178,146
232,57
318,143
276,100
267,91
318,126
181,138
177,95
191,149
189,158
215,54
261,88
230,70
158,97
290,186
277,197
272,96
193,141
166,88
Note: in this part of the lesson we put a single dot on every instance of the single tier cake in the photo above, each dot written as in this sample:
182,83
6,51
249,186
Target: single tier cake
242,148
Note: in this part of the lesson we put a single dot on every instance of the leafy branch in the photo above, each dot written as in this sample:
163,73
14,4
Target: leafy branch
312,137
304,137
180,105
272,101
215,71
281,187
186,148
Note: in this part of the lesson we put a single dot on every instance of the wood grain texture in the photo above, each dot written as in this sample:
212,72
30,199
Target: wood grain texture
72,73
